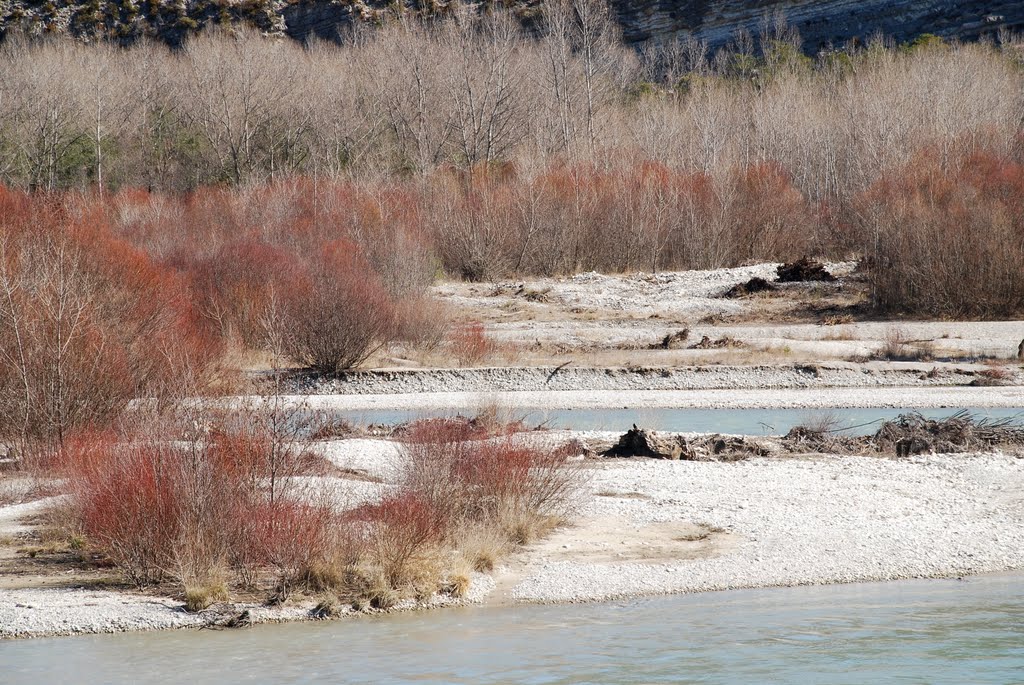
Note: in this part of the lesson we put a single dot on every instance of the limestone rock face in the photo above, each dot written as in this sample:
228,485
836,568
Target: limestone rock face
323,19
820,22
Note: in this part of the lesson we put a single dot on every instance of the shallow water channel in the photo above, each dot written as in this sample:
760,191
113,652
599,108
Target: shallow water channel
862,421
936,631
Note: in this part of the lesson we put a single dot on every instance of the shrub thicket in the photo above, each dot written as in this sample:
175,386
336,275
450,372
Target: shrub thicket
233,506
194,509
87,322
947,240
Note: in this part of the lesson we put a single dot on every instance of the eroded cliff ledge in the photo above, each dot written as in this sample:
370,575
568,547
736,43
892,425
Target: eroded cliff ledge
820,22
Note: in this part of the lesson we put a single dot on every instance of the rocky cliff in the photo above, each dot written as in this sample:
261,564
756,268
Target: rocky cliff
820,22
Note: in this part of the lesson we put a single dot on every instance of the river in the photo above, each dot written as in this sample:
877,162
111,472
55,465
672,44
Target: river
934,631
858,421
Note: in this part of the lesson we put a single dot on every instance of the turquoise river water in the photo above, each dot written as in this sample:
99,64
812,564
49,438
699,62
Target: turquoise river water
935,631
735,421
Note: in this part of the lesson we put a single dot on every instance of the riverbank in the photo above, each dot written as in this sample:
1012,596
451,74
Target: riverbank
646,527
513,379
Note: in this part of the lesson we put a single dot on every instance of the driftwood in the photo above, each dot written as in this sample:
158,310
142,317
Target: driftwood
706,343
637,442
804,439
673,341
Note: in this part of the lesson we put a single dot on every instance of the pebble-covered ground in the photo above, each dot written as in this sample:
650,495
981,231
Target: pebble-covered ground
781,521
569,379
715,398
801,521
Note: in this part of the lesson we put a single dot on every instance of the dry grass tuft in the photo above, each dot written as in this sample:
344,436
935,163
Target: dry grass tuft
838,320
482,546
897,346
327,607
457,585
469,492
200,597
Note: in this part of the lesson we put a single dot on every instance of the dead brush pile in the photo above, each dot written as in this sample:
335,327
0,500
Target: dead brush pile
962,432
803,270
912,433
807,439
638,442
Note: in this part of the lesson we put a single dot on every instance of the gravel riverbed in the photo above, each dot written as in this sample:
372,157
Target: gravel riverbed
753,398
798,521
647,527
768,522
569,378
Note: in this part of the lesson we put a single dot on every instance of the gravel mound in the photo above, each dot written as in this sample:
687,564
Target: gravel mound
685,293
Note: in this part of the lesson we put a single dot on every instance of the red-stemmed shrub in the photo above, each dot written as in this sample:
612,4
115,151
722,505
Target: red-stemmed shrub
337,313
946,238
769,218
238,286
196,509
159,510
499,480
470,344
288,535
87,322
400,536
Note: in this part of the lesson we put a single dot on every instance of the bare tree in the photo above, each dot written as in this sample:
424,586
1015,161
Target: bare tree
235,84
484,88
404,66
46,122
101,81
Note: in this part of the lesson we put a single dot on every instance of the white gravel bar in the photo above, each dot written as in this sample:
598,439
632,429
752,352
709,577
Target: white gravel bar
53,611
714,377
826,520
780,522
